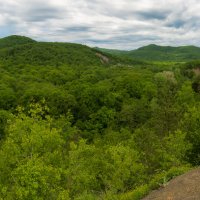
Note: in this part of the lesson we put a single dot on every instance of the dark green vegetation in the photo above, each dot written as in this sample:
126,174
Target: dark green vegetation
159,53
76,124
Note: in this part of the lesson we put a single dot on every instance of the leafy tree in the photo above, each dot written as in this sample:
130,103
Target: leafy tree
31,158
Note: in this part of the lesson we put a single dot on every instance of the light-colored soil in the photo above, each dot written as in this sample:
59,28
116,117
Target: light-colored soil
103,58
184,187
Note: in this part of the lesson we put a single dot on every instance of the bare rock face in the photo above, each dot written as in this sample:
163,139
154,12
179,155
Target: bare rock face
184,187
103,58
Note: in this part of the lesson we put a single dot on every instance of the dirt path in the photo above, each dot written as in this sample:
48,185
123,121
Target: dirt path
184,187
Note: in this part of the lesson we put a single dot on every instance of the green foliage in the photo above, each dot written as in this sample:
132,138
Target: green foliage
190,124
31,157
4,116
7,97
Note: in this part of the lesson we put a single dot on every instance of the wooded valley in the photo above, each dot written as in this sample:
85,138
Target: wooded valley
81,123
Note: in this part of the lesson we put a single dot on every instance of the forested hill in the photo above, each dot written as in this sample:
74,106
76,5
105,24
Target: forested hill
23,50
160,53
14,40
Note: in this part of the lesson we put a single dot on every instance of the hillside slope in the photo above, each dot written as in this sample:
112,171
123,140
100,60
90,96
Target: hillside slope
185,187
113,51
23,50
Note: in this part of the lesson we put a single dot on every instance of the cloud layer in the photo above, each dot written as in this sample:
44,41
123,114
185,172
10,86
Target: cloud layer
122,24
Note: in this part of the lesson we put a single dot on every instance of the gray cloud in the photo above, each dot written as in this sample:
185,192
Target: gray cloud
177,23
153,14
74,29
42,14
123,24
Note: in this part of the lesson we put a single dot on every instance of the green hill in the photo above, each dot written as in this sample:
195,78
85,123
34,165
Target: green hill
14,40
23,50
166,53
160,53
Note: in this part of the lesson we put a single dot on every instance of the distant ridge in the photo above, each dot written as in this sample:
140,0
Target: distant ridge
155,52
24,50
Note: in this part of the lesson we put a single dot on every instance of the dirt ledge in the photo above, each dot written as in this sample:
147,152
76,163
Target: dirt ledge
184,187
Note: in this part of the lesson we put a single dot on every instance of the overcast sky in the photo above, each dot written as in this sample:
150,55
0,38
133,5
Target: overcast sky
121,24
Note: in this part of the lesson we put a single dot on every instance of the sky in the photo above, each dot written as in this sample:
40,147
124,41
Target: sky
115,24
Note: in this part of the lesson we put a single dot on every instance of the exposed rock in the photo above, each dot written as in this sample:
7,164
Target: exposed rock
103,58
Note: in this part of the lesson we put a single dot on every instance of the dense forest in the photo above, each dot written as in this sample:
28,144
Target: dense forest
80,124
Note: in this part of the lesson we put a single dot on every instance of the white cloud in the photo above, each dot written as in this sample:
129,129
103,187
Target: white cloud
123,24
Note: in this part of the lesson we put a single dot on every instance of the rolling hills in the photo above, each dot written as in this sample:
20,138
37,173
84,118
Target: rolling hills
154,52
23,50
20,49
